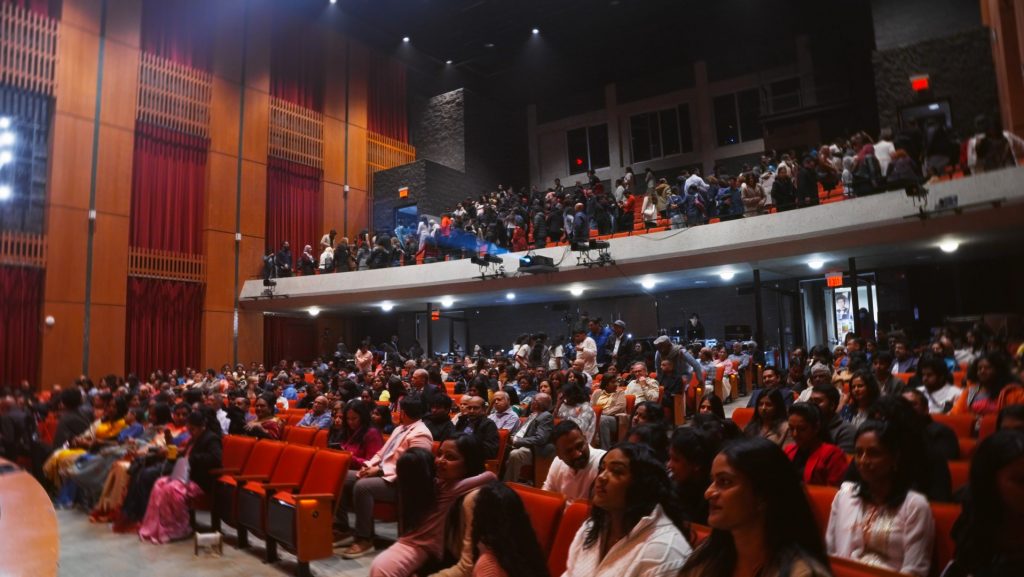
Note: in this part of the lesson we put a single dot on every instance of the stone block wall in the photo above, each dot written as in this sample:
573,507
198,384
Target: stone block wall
433,188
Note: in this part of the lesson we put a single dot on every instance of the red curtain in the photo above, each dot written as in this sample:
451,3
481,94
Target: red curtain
179,30
297,64
294,205
288,338
168,181
22,290
49,8
164,321
387,110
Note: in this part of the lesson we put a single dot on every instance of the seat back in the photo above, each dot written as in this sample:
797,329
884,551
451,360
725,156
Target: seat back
741,416
905,377
945,514
572,519
698,533
820,498
235,451
293,418
847,568
263,458
962,425
326,473
987,426
291,467
320,440
959,474
545,510
967,447
630,403
301,435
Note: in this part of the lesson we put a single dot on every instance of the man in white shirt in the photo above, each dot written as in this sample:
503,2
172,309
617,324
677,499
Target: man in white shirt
642,387
586,350
936,389
884,149
572,474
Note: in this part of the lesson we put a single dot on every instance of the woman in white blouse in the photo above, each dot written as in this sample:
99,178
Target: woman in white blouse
635,521
880,521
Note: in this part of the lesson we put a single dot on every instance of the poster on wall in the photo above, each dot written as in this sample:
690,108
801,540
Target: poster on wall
843,312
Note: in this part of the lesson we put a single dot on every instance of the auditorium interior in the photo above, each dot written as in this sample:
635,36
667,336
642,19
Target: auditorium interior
235,235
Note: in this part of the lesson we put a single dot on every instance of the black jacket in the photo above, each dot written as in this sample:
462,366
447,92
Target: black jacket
203,456
538,431
485,431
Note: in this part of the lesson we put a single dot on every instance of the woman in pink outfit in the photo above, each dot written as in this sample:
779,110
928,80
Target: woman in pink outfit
509,547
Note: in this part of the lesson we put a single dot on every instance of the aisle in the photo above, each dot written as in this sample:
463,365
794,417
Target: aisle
91,550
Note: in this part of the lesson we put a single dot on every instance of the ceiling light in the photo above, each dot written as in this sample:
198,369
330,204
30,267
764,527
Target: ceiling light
536,31
6,157
949,246
700,282
510,296
5,122
816,263
447,301
386,306
334,1
576,291
727,274
5,192
489,45
648,283
314,311
448,62
6,138
405,39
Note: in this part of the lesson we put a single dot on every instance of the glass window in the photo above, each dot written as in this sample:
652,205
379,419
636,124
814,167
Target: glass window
588,148
656,134
598,141
577,141
685,130
726,125
749,104
407,216
785,94
640,135
668,120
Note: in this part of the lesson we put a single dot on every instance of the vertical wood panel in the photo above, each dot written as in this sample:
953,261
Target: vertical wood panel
77,66
334,150
218,337
110,260
358,212
114,171
65,269
62,343
250,260
334,79
254,198
70,163
250,336
334,208
357,168
221,183
107,338
220,265
224,127
83,14
120,82
359,87
257,125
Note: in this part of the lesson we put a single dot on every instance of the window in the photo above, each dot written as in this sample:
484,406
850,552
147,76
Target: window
588,148
785,94
659,134
407,216
738,117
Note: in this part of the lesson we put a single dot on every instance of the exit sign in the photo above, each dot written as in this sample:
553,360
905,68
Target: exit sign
403,192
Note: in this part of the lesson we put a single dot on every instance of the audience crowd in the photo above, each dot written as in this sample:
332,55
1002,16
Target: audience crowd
708,497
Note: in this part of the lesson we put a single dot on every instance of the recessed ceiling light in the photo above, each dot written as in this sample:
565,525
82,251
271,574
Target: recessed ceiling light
949,246
510,296
648,283
405,39
5,122
6,192
536,31
314,311
447,301
489,45
727,274
334,1
576,291
816,263
386,306
447,61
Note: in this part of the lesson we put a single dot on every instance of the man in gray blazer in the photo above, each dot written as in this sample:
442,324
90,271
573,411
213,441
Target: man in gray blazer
534,434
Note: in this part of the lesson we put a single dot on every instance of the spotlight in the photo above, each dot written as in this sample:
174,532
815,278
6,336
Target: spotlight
727,275
405,39
5,122
6,138
447,302
491,266
949,246
536,31
386,306
510,296
585,258
816,264
576,291
448,62
648,283
314,311
6,193
334,1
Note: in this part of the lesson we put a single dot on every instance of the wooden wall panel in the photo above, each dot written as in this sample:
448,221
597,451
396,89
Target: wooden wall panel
65,259
218,337
124,23
70,162
357,170
257,125
334,150
358,212
114,171
221,180
224,105
84,14
254,198
120,85
227,43
250,257
77,65
107,327
61,358
257,56
110,260
220,267
250,336
334,81
334,208
359,87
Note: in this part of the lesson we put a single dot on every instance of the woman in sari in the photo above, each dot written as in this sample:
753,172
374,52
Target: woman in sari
103,431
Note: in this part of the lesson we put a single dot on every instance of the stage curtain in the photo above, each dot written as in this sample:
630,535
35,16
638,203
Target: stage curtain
164,325
288,338
294,206
49,8
20,322
297,71
387,107
168,180
179,30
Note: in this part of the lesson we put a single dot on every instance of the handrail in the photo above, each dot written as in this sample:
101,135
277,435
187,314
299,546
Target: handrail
166,265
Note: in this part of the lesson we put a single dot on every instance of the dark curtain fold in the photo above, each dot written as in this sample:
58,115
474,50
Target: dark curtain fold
288,338
21,293
179,30
294,205
168,184
297,71
164,325
51,8
387,105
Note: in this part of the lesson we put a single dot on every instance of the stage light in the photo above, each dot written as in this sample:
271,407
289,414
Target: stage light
510,296
386,306
816,264
334,1
576,291
6,193
5,122
314,311
6,138
6,157
648,283
406,39
447,301
949,246
448,62
536,31
727,274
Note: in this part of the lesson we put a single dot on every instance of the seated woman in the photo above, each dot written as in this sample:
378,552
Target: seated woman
576,406
167,512
265,425
988,538
769,420
990,387
103,431
864,391
91,470
635,525
380,418
880,520
689,462
352,431
428,489
761,521
508,548
654,437
649,413
710,403
817,461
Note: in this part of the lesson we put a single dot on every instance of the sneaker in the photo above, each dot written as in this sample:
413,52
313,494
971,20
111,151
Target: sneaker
358,549
343,538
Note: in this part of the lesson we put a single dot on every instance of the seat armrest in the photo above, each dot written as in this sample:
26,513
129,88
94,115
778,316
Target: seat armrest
259,478
318,496
226,471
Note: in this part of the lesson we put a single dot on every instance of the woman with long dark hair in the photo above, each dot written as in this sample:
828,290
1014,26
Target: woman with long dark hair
989,540
576,406
769,420
689,462
761,521
880,520
818,461
990,387
864,391
353,431
428,487
508,548
380,418
635,525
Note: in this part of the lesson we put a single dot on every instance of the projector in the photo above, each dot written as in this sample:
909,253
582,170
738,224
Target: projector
532,263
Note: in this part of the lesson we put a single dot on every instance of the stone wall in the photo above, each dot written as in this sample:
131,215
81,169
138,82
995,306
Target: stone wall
433,188
439,132
907,22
